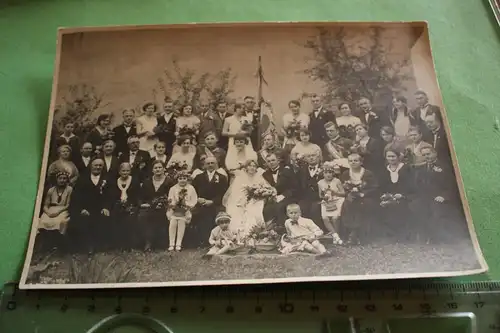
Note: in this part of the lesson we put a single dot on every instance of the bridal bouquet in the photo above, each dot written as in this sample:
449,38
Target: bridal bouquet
389,199
260,192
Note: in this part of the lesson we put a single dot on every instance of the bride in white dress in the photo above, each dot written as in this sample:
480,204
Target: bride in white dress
245,213
145,128
237,125
240,153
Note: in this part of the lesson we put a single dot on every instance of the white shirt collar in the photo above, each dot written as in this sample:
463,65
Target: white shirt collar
67,137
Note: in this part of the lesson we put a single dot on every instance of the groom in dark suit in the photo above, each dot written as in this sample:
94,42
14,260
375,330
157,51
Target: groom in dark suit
283,179
210,187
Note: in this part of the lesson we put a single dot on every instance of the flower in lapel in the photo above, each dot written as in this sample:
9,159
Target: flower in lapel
103,184
437,169
216,178
373,114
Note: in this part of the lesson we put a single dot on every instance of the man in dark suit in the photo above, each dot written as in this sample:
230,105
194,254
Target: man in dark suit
252,110
436,136
221,114
70,139
82,162
125,130
111,161
207,120
166,126
373,119
318,118
425,109
436,202
90,210
210,185
138,159
283,179
309,176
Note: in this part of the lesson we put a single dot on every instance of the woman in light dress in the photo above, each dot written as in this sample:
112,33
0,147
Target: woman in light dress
305,147
185,154
245,213
63,163
54,220
240,154
187,121
236,125
346,121
290,119
145,128
401,119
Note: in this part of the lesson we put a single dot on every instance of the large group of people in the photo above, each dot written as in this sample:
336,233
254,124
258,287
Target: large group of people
205,176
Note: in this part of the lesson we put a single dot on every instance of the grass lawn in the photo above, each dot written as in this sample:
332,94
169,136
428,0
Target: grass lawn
189,265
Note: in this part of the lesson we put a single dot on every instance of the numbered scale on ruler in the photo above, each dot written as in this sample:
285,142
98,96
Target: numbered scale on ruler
341,307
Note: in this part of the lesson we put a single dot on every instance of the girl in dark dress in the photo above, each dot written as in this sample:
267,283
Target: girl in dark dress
395,192
153,203
124,198
359,207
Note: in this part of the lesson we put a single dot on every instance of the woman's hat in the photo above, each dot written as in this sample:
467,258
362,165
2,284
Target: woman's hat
222,216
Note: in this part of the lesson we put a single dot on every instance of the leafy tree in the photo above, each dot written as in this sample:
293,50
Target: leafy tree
79,106
221,86
188,87
367,69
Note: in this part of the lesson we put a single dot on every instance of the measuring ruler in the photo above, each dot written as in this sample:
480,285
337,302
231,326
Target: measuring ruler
393,307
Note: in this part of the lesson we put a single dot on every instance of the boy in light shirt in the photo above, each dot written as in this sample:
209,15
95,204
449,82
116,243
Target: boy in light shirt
302,234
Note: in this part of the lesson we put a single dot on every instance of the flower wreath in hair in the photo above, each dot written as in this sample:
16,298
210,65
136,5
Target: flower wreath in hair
330,166
62,173
183,173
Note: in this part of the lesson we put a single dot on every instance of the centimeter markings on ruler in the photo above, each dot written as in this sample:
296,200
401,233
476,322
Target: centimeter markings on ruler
424,299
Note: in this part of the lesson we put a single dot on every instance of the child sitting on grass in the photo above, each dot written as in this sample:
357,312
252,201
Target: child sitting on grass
301,234
222,239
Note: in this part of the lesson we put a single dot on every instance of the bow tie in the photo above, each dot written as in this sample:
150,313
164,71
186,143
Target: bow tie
316,110
132,153
312,168
275,171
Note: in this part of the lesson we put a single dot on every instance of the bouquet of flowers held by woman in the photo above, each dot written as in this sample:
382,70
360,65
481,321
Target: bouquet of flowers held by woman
260,192
126,207
247,126
292,130
160,202
187,130
175,168
388,199
354,191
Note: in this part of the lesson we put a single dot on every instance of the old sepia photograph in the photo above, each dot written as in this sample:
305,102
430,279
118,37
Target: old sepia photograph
216,154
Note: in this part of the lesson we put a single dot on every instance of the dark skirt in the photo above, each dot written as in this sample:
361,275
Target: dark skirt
153,226
358,215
